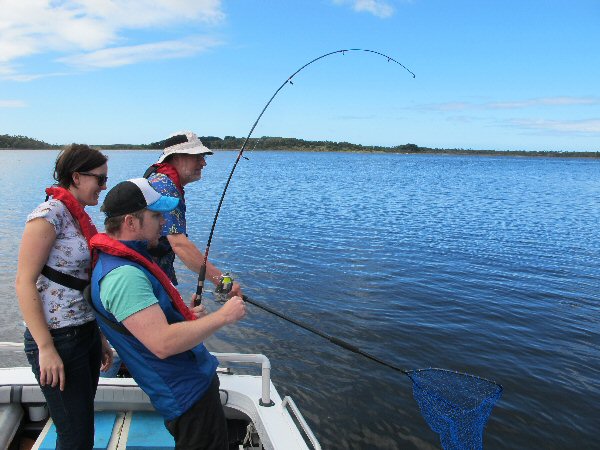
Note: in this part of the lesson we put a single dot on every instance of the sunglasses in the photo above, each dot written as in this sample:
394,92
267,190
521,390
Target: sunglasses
101,178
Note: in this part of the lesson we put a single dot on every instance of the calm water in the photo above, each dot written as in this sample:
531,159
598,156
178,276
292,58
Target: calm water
485,265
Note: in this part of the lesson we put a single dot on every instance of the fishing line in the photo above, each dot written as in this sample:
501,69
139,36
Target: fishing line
345,345
202,272
332,339
253,148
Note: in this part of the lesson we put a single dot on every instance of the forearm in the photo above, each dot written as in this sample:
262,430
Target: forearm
184,336
163,339
193,258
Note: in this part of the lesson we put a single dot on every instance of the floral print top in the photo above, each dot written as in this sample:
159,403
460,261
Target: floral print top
70,254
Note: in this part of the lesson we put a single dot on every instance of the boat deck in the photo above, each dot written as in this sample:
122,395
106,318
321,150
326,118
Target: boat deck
125,417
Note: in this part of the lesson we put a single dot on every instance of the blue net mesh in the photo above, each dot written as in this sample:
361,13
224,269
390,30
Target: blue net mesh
455,405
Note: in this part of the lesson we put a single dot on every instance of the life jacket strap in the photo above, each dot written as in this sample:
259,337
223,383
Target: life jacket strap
64,279
117,326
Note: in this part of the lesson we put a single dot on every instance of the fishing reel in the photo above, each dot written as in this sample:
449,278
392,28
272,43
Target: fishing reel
223,287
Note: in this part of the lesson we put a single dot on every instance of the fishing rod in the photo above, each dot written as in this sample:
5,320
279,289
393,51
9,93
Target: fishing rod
202,272
455,405
345,345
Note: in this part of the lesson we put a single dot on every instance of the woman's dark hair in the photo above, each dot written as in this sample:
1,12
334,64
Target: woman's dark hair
76,158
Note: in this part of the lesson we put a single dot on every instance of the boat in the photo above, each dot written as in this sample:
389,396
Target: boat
257,416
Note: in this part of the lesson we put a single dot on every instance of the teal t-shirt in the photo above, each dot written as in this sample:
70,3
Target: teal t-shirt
125,291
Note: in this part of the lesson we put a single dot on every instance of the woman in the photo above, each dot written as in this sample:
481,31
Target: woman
62,339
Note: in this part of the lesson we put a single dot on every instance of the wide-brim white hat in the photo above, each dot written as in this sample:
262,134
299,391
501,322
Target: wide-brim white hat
184,142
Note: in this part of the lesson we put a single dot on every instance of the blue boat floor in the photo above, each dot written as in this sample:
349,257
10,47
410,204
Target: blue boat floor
114,430
147,432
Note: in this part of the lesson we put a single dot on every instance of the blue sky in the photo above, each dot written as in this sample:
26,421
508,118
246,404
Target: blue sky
506,75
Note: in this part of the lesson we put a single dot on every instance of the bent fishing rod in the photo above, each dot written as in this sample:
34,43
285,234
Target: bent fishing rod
455,405
202,272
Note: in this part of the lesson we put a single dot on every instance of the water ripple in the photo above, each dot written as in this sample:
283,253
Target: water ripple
485,265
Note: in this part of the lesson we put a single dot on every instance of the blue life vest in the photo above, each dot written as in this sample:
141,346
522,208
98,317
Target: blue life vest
174,384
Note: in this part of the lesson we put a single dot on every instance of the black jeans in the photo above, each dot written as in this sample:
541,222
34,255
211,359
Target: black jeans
203,426
72,410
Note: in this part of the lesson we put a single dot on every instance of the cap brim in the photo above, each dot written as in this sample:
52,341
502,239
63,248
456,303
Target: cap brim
198,150
164,204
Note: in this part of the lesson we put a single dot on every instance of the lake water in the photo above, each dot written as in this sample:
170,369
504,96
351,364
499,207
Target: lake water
485,265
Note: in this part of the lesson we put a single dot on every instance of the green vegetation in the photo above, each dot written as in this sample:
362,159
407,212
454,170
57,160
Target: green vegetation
279,143
292,144
23,142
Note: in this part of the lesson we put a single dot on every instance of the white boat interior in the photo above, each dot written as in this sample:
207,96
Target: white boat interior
258,418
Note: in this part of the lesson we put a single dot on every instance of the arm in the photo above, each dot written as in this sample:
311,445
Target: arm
187,251
127,293
150,326
175,231
37,241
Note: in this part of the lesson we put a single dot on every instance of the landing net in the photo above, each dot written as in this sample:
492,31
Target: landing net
455,405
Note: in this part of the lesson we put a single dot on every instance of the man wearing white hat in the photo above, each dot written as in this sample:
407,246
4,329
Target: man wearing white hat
181,163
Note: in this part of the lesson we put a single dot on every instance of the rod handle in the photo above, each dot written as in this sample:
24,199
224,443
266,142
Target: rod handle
200,286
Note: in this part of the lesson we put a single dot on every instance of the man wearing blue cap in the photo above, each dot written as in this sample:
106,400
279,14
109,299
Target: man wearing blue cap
144,317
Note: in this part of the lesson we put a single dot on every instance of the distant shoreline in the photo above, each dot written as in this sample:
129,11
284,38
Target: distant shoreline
283,144
492,153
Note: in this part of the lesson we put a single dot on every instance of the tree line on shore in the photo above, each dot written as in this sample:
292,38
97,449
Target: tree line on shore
281,143
23,142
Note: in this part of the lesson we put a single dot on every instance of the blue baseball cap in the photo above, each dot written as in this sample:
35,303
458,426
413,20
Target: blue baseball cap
134,195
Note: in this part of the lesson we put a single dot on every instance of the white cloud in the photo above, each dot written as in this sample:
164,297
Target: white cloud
12,104
10,72
590,126
376,7
120,56
448,106
379,8
514,104
545,101
30,27
23,77
493,115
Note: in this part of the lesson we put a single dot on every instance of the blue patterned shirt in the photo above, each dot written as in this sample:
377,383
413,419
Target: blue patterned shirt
174,222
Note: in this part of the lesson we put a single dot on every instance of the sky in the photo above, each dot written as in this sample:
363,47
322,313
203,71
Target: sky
503,75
